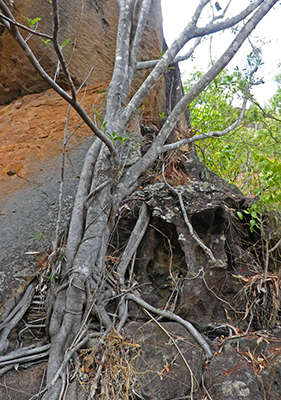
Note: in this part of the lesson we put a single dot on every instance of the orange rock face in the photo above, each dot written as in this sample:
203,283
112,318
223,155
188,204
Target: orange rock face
32,124
32,130
90,26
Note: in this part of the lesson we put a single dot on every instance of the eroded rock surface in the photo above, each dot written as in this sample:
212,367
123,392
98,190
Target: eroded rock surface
161,369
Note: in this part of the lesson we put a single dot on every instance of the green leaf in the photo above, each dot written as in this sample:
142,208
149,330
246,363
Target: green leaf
37,236
114,136
162,115
65,43
240,215
45,41
51,278
31,22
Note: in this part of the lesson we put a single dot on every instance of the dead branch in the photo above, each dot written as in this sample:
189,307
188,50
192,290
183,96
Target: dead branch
58,49
180,143
26,28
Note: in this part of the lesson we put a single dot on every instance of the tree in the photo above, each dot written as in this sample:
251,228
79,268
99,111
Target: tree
108,177
249,156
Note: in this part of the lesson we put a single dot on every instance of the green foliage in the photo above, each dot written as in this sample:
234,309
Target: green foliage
64,43
45,41
248,157
51,278
114,136
276,99
38,236
32,21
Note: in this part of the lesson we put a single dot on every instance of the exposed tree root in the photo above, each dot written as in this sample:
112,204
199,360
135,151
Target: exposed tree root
15,316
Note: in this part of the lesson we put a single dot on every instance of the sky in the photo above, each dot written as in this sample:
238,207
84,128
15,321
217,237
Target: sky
177,13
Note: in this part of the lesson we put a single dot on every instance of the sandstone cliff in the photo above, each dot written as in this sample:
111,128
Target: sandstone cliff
32,118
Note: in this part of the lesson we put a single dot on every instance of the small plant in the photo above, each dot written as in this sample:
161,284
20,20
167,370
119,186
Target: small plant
32,21
45,41
64,43
51,278
38,236
255,221
114,136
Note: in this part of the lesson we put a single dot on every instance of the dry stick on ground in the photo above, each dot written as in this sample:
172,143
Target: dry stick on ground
20,355
174,317
23,355
34,357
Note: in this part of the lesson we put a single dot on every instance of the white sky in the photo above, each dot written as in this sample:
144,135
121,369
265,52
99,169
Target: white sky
177,13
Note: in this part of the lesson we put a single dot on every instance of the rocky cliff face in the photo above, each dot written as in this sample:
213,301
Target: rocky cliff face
90,27
32,125
32,118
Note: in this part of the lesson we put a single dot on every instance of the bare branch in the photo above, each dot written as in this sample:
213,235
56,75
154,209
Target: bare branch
186,56
58,48
228,23
36,33
139,31
180,143
199,10
95,191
